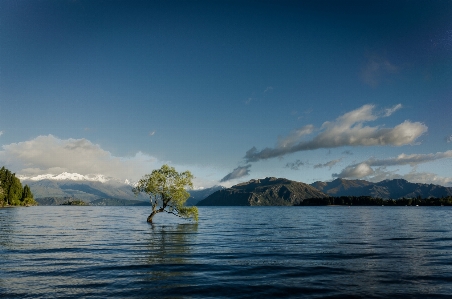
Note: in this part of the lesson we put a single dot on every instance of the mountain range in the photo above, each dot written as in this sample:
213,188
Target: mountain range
99,190
387,189
283,192
266,192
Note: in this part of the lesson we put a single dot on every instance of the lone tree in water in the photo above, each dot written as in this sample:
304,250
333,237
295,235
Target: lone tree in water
166,188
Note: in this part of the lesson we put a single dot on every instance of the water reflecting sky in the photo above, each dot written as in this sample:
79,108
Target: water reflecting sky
244,252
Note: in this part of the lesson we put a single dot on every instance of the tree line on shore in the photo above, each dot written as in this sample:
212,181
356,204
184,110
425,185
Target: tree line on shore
375,201
74,202
11,191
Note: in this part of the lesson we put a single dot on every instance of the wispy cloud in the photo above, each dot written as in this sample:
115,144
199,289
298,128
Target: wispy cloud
376,68
1,133
268,89
346,130
293,138
412,160
152,133
294,165
328,164
303,114
449,138
390,111
237,173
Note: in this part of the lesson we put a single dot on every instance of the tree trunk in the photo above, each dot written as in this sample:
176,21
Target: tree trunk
152,215
154,211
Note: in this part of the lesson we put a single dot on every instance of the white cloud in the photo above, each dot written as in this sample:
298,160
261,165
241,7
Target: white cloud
237,173
357,171
346,130
1,133
152,133
449,138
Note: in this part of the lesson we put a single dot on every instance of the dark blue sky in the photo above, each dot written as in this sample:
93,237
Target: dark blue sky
308,90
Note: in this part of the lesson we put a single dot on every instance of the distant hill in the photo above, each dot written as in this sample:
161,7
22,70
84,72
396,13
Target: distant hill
53,201
198,195
340,187
84,190
265,192
387,189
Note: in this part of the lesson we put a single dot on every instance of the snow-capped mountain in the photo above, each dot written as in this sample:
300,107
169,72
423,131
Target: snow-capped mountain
84,187
66,176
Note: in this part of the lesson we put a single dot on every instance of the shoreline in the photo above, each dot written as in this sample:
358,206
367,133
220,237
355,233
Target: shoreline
7,207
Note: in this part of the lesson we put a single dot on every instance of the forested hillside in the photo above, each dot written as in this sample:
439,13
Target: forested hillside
11,191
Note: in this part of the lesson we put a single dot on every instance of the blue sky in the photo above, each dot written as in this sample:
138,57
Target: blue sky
231,90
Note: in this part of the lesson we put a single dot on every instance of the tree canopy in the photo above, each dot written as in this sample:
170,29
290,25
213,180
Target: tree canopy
11,191
167,190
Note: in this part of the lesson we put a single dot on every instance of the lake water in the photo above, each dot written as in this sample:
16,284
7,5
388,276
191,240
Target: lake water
234,252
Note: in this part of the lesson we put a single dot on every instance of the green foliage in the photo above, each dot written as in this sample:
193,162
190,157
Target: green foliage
167,191
2,197
11,192
15,192
27,197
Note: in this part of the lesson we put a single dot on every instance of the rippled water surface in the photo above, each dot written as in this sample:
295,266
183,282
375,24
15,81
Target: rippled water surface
241,252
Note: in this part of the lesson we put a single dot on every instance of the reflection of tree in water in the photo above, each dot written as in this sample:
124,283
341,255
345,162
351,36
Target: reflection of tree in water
168,250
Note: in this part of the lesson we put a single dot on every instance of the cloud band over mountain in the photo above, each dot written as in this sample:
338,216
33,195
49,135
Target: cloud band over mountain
375,169
51,155
364,169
